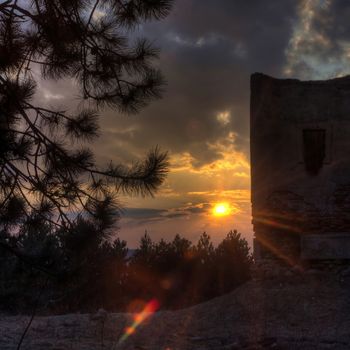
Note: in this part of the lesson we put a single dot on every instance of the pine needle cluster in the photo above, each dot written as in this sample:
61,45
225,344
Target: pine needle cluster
47,172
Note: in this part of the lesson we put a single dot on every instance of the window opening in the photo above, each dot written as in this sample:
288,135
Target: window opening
314,149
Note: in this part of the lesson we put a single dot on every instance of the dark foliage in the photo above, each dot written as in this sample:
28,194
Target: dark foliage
45,172
179,274
100,274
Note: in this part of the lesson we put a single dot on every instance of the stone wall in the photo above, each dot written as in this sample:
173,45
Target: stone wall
290,121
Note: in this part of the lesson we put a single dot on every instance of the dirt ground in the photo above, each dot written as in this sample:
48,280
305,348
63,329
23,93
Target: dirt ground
302,311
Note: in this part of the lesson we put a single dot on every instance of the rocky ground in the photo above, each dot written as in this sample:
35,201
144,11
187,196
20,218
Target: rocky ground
300,311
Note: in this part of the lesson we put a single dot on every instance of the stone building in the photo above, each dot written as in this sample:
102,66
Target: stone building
300,168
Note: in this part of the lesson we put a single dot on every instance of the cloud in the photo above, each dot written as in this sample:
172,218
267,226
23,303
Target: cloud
224,117
49,96
238,196
208,51
142,213
136,217
199,207
146,215
319,47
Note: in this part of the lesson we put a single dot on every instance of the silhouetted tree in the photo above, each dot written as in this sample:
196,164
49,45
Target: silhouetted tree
233,262
204,248
44,174
203,286
98,273
37,247
95,268
179,274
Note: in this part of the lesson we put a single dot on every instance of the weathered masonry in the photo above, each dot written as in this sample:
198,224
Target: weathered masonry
300,168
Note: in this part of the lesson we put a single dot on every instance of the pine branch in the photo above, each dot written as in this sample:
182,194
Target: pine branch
39,158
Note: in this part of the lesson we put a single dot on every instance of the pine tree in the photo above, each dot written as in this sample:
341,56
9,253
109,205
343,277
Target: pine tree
44,175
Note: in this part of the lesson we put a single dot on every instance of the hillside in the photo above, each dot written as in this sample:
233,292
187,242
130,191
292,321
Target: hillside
301,311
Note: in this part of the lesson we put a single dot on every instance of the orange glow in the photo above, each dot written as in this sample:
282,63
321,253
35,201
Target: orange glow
149,309
221,209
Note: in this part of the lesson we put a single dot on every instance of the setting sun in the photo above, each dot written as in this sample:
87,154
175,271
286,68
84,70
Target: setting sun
221,209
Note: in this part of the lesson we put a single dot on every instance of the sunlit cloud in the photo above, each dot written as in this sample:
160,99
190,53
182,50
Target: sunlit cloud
228,158
181,161
242,174
224,118
168,192
192,191
242,196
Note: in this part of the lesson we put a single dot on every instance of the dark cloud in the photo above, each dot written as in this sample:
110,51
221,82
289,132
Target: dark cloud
337,29
208,51
142,213
141,216
175,215
259,28
340,28
319,46
136,217
198,209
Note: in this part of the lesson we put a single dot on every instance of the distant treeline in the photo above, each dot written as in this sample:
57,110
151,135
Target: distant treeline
69,272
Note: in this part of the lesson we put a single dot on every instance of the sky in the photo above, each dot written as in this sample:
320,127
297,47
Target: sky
209,49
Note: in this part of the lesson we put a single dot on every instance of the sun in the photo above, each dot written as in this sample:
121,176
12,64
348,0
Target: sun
221,209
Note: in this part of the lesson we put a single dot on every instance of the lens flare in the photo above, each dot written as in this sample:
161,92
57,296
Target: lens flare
150,308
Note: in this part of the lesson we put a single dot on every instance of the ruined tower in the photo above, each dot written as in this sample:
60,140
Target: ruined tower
300,169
